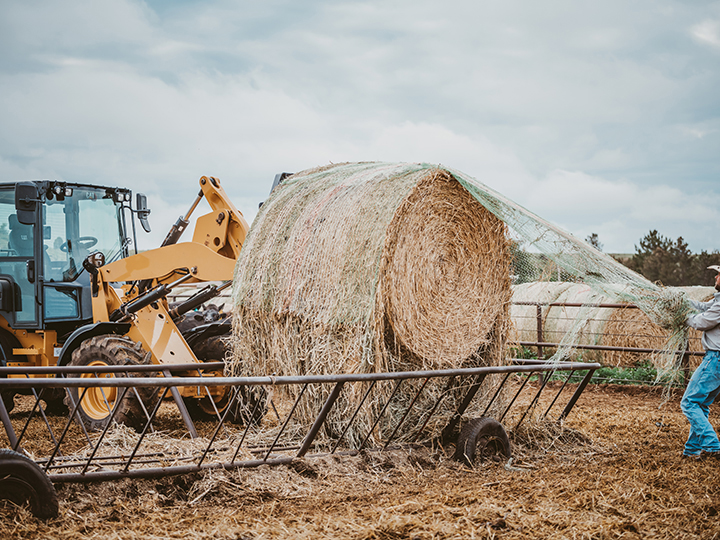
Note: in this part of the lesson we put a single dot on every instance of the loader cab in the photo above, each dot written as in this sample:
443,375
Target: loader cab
47,229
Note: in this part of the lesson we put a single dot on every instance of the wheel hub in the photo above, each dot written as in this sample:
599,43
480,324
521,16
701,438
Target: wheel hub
99,401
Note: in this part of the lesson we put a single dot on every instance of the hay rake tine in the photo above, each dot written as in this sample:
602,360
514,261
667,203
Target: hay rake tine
221,424
148,425
522,386
552,403
497,393
377,420
447,431
277,414
448,387
32,414
44,416
142,405
249,423
67,428
105,429
357,410
545,379
402,420
287,420
577,394
187,420
320,419
220,417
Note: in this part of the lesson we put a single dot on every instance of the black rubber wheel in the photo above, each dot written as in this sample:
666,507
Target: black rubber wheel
23,482
93,411
206,332
481,439
8,398
54,399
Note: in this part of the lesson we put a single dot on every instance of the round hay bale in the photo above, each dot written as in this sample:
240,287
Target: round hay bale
370,267
578,325
524,317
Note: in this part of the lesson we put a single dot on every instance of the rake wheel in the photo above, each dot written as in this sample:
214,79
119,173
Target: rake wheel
23,482
481,439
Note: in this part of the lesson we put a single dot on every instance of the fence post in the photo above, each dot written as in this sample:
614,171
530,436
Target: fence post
541,354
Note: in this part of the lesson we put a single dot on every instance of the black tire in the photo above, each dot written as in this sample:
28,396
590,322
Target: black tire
480,439
8,397
111,350
54,399
23,482
8,342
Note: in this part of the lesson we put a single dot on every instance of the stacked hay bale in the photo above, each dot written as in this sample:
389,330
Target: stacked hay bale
524,314
371,267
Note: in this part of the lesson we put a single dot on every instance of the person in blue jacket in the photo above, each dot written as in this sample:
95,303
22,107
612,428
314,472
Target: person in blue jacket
704,386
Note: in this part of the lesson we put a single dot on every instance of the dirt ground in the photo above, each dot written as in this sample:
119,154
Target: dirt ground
612,471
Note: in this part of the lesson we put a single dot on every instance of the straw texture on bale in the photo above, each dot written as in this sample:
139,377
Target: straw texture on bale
371,267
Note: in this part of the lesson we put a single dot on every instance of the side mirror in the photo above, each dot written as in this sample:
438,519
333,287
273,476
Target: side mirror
143,212
26,199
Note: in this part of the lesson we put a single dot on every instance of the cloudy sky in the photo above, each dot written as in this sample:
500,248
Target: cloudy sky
601,117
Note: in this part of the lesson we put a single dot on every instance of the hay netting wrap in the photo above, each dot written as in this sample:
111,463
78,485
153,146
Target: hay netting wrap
545,252
362,268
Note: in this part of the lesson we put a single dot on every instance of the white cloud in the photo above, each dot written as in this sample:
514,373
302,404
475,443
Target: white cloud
515,94
622,212
707,32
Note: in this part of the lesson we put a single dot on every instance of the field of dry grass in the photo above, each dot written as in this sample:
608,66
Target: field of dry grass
612,471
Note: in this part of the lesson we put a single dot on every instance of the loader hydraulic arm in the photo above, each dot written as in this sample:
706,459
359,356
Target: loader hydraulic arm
224,229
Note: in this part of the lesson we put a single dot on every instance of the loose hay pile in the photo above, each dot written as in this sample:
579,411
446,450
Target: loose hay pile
362,268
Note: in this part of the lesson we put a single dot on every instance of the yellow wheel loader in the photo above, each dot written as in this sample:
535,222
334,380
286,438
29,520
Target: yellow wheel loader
72,293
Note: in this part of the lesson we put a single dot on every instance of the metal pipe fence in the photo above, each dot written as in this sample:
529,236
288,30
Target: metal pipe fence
258,424
549,338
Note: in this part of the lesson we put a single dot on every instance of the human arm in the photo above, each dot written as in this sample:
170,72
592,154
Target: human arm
707,319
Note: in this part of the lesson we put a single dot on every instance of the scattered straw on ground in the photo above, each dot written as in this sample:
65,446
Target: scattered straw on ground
613,471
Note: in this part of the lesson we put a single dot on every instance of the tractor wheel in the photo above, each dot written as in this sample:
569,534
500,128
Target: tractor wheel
480,439
23,482
250,407
100,402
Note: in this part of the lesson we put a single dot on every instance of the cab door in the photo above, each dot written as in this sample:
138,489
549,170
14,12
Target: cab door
18,256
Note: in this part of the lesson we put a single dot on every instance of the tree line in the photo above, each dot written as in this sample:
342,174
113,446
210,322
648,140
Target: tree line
670,262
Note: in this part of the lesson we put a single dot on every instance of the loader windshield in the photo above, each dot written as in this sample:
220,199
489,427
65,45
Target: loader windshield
81,221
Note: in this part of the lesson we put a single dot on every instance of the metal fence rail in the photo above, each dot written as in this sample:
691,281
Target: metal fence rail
551,339
169,445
